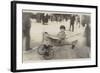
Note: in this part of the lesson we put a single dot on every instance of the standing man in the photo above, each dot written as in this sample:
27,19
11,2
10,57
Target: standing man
45,19
26,25
78,20
86,20
72,20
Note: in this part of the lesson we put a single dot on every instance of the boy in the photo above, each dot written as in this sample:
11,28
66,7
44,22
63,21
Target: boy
62,36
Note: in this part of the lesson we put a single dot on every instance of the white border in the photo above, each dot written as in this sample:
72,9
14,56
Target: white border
61,63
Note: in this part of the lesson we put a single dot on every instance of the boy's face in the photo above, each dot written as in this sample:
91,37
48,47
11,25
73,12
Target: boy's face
62,30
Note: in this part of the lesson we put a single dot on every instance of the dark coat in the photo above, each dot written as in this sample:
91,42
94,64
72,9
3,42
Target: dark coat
72,20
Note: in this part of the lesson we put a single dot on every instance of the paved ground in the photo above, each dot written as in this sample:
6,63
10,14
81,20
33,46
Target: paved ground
64,52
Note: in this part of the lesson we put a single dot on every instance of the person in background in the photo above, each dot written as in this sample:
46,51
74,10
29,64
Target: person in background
26,26
86,21
45,19
72,20
78,20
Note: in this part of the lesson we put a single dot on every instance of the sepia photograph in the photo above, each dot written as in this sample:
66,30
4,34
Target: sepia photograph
51,35
48,36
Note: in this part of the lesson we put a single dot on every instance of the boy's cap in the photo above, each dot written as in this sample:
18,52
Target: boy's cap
62,27
46,32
